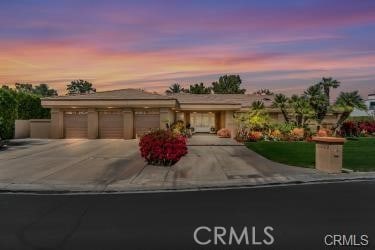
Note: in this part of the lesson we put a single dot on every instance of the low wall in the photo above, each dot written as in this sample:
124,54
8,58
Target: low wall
21,129
40,128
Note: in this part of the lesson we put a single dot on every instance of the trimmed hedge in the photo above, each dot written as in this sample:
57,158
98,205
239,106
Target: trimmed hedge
18,105
8,113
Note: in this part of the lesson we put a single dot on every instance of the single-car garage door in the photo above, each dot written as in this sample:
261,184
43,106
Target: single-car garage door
111,124
75,124
146,121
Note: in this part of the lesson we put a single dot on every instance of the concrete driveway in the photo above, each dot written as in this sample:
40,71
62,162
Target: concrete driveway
116,165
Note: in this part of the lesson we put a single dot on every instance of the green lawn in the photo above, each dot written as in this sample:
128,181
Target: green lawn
358,155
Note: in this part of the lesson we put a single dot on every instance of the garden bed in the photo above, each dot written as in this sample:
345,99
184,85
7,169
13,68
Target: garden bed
358,155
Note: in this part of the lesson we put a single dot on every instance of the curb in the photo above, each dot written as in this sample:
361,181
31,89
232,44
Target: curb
82,189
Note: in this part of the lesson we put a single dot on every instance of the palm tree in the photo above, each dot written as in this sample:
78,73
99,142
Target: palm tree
281,102
327,84
175,88
345,103
302,110
318,101
257,105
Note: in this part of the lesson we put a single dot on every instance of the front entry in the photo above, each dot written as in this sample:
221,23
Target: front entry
202,122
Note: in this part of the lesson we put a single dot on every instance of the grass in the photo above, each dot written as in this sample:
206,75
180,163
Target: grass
359,155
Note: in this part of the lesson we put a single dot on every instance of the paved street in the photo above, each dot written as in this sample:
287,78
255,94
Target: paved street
300,215
116,165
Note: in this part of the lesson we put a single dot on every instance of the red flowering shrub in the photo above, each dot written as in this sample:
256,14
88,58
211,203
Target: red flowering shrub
162,147
255,136
354,128
224,133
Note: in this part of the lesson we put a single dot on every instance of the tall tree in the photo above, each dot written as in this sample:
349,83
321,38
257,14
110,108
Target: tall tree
345,103
327,84
44,90
40,90
228,84
175,88
281,102
80,87
24,87
199,89
318,101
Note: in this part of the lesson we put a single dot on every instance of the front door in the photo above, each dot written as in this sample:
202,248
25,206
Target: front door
202,122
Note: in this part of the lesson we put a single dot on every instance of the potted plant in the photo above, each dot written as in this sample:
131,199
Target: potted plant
224,133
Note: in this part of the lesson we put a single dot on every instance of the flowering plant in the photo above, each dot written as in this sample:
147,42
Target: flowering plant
162,147
224,133
297,134
255,136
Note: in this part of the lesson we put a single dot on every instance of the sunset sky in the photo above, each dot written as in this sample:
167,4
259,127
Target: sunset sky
280,45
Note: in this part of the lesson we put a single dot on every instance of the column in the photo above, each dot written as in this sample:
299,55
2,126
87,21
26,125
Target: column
128,117
57,124
93,124
165,117
229,123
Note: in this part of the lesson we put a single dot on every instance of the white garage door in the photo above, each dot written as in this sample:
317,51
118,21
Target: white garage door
75,124
111,124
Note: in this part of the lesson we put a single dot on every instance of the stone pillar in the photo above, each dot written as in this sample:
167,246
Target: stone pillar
328,154
128,117
229,123
93,124
57,124
165,117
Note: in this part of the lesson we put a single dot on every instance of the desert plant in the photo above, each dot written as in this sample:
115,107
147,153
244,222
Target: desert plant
178,127
282,102
162,147
345,103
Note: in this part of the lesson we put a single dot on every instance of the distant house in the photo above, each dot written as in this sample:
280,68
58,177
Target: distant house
370,103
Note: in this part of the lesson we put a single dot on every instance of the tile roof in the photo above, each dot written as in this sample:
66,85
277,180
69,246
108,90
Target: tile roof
244,99
123,94
183,98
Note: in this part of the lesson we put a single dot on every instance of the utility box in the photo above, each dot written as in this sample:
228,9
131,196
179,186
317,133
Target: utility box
328,154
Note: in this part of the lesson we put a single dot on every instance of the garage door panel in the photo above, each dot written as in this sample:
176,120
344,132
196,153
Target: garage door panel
146,122
111,125
75,124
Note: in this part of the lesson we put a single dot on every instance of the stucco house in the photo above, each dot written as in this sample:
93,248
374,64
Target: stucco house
128,113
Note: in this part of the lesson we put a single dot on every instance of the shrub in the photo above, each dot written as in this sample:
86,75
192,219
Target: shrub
162,147
297,134
255,136
8,113
29,107
224,133
178,127
276,135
